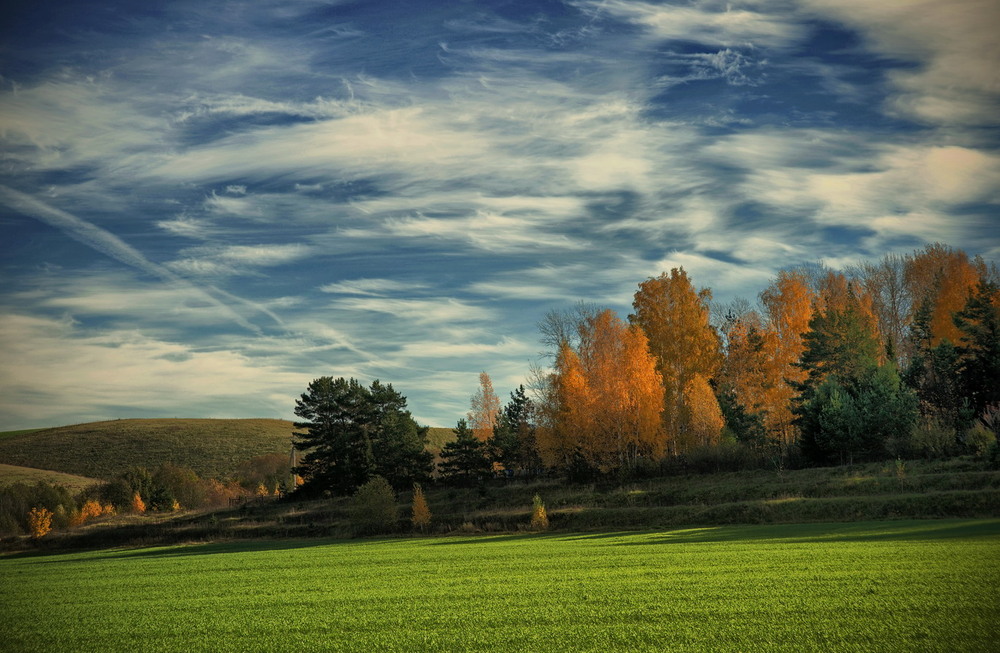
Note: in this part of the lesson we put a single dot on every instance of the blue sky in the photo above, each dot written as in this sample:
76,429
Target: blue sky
205,205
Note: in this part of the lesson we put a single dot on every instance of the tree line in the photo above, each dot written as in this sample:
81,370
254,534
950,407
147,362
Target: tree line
896,358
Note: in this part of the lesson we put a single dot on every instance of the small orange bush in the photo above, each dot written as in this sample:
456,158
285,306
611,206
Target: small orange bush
39,522
138,505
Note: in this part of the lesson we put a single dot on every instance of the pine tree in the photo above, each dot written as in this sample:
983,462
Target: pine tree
464,460
979,346
352,433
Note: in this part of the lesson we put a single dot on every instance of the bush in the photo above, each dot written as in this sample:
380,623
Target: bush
373,508
539,518
39,522
979,439
931,438
18,499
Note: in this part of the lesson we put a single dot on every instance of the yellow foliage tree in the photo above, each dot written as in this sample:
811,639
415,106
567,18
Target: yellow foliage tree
485,409
675,320
788,306
539,518
39,522
421,518
704,423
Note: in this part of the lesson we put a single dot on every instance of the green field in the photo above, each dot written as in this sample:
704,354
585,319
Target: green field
872,586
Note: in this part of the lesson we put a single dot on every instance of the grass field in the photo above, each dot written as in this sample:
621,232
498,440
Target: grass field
211,447
10,474
872,586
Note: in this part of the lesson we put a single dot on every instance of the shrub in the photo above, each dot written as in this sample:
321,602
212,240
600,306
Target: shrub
931,438
373,508
39,522
17,499
138,505
979,439
421,511
539,519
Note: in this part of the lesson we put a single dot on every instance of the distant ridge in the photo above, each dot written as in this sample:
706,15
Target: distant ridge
102,450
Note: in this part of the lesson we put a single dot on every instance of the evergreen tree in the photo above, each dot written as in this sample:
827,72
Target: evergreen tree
352,433
513,442
979,348
398,443
848,406
464,460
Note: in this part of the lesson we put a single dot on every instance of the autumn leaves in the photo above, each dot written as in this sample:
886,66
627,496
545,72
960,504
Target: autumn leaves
675,376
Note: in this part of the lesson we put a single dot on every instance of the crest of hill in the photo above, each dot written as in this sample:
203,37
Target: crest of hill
213,448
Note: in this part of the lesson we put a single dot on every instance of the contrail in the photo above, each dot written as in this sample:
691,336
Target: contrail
114,247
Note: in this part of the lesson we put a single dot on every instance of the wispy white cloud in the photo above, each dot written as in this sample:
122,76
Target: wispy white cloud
421,311
372,287
81,376
110,245
953,45
709,22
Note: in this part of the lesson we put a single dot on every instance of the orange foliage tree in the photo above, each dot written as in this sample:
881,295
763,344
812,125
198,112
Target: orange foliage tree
788,307
485,409
675,320
604,401
940,280
704,422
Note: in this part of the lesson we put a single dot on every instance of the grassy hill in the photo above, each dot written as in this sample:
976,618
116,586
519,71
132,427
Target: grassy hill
211,447
959,488
10,474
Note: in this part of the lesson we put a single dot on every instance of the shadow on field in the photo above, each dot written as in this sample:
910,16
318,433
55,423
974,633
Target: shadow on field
826,532
185,550
490,539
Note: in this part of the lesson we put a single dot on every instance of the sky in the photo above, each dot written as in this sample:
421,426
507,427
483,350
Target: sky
205,205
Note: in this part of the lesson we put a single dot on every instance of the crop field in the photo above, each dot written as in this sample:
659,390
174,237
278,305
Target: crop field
899,586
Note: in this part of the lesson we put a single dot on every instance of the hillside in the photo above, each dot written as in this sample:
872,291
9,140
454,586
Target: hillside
211,447
10,474
959,488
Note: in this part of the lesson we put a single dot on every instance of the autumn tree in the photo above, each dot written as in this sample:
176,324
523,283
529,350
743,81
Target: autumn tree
564,410
485,404
940,279
747,378
606,398
787,309
884,282
420,511
704,422
539,518
675,320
